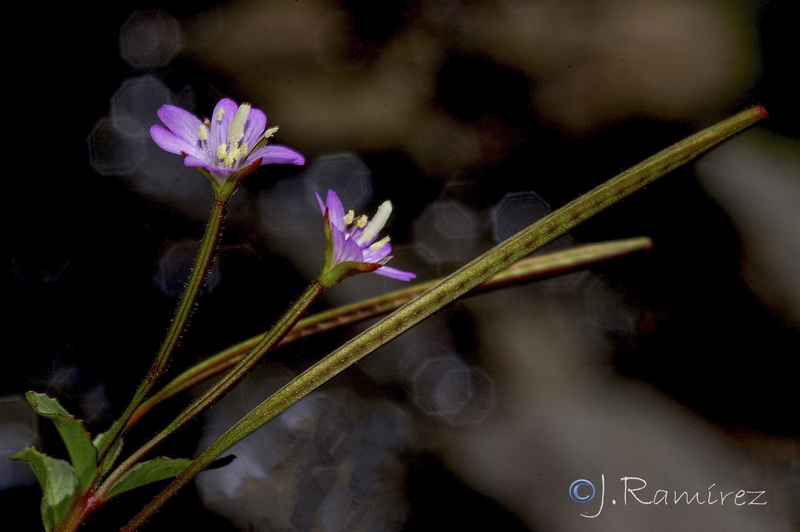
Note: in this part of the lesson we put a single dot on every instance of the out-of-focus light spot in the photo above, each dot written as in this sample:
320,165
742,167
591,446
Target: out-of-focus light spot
515,212
63,377
18,430
426,265
442,386
448,231
482,401
95,403
174,267
288,210
134,105
164,176
329,462
112,153
341,510
150,39
343,172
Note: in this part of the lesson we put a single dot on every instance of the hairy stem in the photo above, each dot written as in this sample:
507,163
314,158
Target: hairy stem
197,278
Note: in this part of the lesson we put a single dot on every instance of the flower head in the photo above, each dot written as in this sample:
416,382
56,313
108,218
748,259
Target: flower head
353,245
233,142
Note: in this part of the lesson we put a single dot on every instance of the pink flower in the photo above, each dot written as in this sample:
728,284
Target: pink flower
232,140
353,244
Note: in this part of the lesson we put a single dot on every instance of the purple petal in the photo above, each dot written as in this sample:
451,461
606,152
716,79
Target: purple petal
320,203
168,141
377,256
218,131
193,161
254,127
277,154
336,212
181,122
394,273
344,249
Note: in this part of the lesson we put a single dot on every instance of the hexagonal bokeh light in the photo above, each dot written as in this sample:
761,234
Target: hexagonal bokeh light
343,172
516,211
150,38
448,231
447,388
114,154
134,104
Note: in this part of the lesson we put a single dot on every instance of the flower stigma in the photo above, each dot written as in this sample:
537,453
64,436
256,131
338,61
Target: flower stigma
374,227
229,153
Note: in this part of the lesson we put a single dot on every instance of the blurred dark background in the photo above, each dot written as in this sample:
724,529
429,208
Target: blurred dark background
475,118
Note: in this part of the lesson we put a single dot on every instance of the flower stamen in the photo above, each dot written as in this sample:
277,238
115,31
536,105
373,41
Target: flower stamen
270,132
377,246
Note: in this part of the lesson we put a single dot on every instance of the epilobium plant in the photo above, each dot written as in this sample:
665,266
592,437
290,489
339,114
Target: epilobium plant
226,147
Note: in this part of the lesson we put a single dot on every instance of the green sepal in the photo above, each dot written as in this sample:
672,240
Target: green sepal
112,455
147,473
82,452
58,481
223,191
343,270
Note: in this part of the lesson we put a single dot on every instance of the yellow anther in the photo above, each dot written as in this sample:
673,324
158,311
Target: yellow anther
220,114
349,217
376,246
202,132
362,221
222,151
271,131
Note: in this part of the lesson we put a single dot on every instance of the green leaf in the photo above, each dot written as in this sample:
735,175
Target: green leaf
79,445
113,453
58,481
148,472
